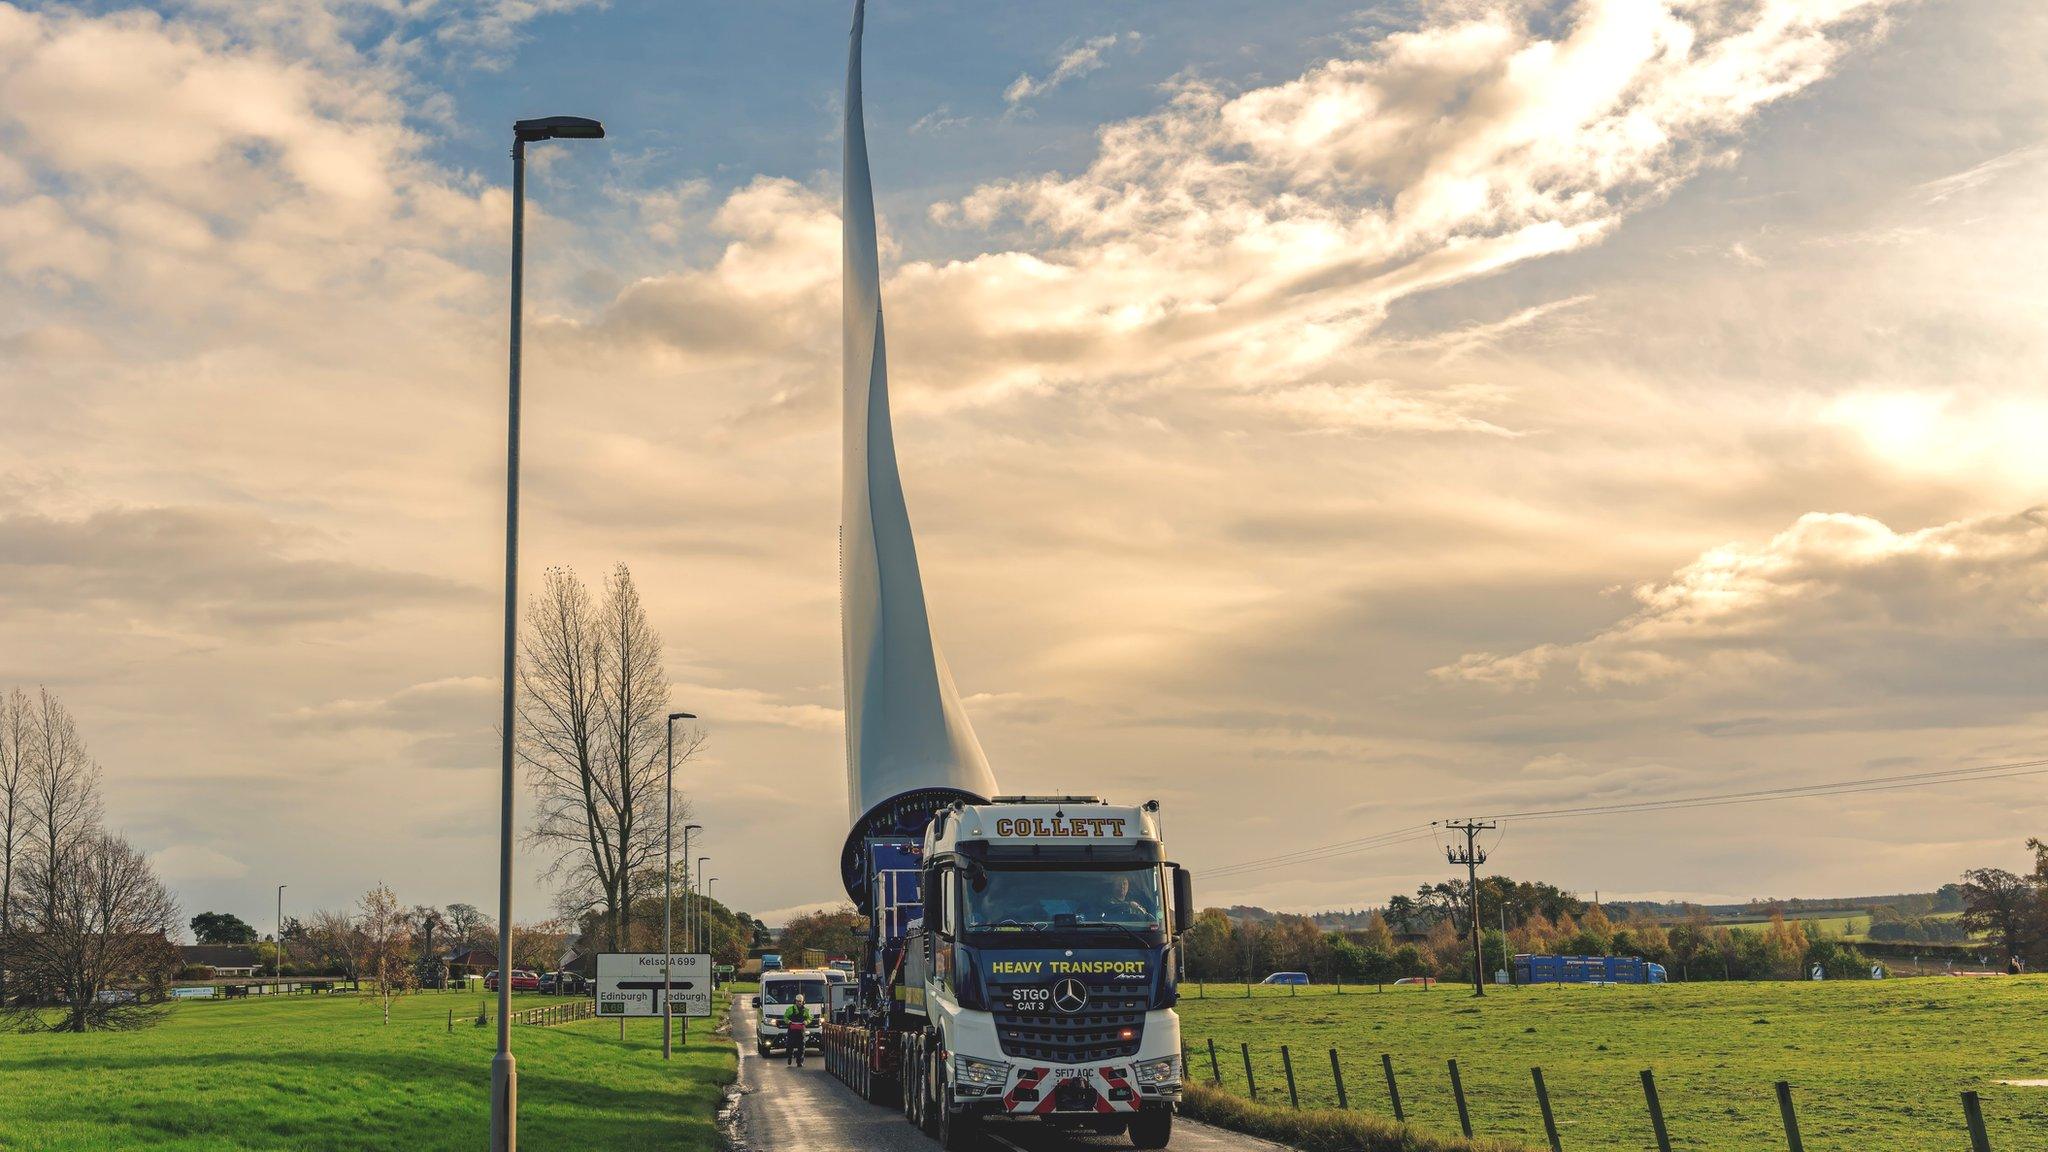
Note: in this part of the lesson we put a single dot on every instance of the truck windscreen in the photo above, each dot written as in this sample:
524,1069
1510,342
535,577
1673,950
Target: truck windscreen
1038,900
785,992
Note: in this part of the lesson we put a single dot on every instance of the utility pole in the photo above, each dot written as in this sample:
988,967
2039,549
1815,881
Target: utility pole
1472,857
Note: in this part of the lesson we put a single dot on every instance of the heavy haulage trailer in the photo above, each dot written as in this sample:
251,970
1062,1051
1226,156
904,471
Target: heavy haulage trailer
1023,955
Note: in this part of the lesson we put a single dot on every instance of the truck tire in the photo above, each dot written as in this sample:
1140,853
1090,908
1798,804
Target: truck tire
929,1103
1152,1128
957,1130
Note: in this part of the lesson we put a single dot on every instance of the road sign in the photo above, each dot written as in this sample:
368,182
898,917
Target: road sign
630,983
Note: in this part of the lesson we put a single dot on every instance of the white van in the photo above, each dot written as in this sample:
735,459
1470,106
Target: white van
779,990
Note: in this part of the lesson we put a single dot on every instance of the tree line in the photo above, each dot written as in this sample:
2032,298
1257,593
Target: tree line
1429,934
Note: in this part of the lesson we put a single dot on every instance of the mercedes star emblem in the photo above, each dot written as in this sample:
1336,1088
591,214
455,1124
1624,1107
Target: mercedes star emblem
1070,995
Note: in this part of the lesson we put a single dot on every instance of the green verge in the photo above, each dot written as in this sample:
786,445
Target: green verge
326,1075
1872,1064
1323,1129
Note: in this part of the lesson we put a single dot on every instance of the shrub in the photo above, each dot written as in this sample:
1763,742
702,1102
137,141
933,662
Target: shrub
195,972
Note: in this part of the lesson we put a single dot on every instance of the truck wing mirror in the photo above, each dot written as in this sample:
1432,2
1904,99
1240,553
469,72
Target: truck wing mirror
1183,900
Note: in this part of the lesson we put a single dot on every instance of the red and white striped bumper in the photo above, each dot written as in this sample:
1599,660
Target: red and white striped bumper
1042,1091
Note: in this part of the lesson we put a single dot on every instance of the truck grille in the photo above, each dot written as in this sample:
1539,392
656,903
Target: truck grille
1094,1033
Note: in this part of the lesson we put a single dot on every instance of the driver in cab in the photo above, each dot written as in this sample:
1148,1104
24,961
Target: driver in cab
1120,903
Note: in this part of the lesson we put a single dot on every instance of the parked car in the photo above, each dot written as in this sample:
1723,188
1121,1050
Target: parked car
522,981
771,962
1286,978
1425,981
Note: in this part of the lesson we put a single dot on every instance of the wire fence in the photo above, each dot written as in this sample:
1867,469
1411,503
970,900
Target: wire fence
1284,1077
563,1013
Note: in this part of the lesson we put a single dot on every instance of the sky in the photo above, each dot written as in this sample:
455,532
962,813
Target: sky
1323,418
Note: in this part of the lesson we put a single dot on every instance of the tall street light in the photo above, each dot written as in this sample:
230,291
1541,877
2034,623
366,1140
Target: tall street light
687,922
708,882
668,885
703,923
504,1071
277,961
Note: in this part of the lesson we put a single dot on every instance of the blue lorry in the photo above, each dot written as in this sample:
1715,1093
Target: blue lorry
1586,970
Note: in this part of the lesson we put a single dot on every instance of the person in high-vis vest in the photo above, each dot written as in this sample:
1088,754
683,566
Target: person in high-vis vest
797,1018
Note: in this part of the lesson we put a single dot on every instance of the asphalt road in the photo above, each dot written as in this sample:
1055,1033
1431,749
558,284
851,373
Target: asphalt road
805,1110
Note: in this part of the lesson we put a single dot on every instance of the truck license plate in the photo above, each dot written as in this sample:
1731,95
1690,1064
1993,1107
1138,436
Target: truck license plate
1031,999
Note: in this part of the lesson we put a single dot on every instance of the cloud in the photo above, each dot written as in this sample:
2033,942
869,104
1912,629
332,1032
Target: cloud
191,568
1073,64
189,863
940,119
1263,237
752,706
1835,610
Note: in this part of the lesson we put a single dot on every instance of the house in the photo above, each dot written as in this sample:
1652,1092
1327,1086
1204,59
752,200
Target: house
224,959
472,962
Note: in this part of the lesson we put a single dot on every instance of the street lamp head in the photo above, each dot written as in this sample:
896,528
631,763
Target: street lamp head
558,128
682,716
693,827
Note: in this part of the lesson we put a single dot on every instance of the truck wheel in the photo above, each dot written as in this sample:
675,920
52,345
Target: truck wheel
1152,1128
958,1130
929,1106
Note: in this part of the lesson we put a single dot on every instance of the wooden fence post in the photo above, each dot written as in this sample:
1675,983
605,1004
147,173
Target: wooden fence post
1973,1113
1250,1081
1393,1089
1287,1064
1215,1070
1656,1111
1337,1074
1543,1102
1458,1090
1791,1117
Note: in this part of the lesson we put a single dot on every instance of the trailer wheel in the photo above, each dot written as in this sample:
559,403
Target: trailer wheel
1152,1128
908,1103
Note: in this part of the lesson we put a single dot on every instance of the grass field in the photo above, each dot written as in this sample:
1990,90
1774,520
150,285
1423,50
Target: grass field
314,1074
1874,1065
1833,924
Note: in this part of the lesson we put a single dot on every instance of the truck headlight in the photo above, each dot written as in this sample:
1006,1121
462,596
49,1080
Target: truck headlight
980,1073
1165,1070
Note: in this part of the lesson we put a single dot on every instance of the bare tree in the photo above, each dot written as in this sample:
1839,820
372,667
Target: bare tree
333,938
93,935
17,728
63,786
468,926
384,941
594,705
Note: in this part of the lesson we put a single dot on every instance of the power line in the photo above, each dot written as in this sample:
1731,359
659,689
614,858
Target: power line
1794,792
